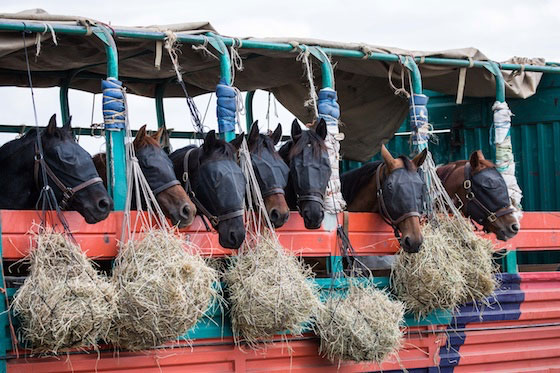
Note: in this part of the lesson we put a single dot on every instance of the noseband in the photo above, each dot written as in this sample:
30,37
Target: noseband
475,203
214,219
383,209
68,193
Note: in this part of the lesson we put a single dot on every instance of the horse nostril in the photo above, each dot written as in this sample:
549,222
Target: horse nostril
103,204
274,215
407,242
185,212
514,228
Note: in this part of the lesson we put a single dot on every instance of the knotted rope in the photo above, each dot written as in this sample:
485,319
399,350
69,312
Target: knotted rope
308,68
38,38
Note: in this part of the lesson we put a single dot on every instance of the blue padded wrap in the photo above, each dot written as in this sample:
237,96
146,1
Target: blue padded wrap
227,107
113,103
327,106
418,115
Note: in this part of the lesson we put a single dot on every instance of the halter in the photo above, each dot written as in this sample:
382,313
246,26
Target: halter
471,198
383,209
67,192
214,219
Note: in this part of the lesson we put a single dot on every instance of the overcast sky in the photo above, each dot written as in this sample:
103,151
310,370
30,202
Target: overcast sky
500,29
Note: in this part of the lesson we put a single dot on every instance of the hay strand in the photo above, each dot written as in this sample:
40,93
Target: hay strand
270,291
364,326
64,303
162,290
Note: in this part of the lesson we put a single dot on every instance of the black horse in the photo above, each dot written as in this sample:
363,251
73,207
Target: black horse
310,170
70,173
216,185
271,172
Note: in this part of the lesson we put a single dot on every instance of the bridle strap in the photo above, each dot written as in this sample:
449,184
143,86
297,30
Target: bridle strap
165,186
273,191
213,219
67,192
470,197
310,197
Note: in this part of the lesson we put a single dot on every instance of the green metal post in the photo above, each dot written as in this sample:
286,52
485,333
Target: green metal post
327,73
225,71
63,96
511,262
160,113
115,138
249,109
494,68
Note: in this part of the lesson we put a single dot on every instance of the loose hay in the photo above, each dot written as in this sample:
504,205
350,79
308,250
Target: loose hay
363,326
454,266
64,303
270,291
162,290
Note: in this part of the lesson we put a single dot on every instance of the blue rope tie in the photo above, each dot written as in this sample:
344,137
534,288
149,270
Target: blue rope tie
114,113
227,107
418,115
328,107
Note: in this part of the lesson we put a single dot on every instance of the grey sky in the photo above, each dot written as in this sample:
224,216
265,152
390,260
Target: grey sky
499,29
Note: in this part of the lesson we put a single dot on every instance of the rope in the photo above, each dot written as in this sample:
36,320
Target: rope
204,48
312,101
38,38
240,107
236,61
398,91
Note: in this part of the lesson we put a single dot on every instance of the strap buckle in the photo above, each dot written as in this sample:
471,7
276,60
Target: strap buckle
185,176
469,196
467,184
492,217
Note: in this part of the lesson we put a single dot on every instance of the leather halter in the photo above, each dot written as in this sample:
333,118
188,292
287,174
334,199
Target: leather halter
491,216
67,192
310,197
383,209
214,219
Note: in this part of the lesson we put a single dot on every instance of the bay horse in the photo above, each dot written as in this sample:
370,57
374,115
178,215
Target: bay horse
481,193
310,170
392,188
214,181
158,170
70,172
271,172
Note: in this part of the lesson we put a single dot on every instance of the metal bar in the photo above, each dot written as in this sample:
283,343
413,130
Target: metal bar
63,97
160,112
249,109
327,74
494,68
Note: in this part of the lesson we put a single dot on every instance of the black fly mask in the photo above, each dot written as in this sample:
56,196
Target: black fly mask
310,175
157,168
486,193
400,196
272,173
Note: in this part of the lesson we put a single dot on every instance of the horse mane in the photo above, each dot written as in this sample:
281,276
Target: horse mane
355,180
145,141
14,146
444,171
407,163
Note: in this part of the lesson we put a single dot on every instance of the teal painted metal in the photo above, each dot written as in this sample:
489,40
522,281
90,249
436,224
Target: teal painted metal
327,74
511,262
63,97
160,112
409,63
494,68
115,139
249,109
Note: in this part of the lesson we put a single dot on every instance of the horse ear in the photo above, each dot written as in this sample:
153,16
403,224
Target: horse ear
321,129
139,136
157,136
67,126
277,134
209,141
387,157
254,132
296,130
51,127
420,158
238,141
475,159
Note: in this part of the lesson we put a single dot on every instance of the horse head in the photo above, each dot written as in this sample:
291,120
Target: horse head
271,172
310,170
71,173
217,185
482,194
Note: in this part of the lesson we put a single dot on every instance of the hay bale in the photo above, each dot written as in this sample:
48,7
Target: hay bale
64,303
363,326
163,288
431,279
270,291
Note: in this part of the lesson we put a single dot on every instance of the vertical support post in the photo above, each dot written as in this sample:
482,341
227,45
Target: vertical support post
249,109
160,113
114,134
418,111
226,96
63,97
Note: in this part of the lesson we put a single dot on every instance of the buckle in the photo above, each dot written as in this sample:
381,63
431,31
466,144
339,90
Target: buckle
214,221
467,184
185,176
469,196
492,217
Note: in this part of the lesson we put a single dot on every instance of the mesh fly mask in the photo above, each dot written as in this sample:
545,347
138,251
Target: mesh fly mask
272,173
157,168
400,196
310,175
218,191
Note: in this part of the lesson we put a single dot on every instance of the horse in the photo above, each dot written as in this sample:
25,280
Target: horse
481,193
271,172
398,183
310,170
69,168
158,170
216,184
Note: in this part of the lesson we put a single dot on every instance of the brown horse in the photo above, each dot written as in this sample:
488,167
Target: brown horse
483,197
400,187
158,170
271,172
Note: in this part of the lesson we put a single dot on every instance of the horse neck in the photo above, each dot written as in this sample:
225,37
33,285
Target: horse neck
289,191
18,182
452,177
366,198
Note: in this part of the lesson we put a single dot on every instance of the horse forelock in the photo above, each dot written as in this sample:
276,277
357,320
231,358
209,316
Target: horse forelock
264,142
308,137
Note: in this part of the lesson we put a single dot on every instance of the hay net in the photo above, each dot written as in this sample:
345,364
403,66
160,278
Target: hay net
163,285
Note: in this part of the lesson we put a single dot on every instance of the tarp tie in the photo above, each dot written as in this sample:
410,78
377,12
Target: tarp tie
157,60
38,38
398,91
312,101
461,85
295,46
236,61
204,47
